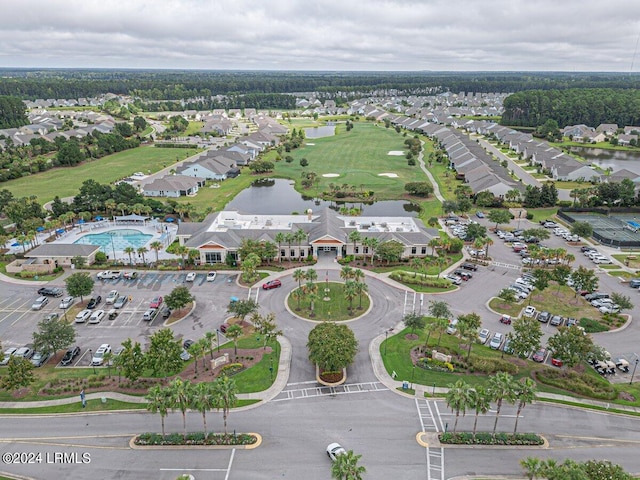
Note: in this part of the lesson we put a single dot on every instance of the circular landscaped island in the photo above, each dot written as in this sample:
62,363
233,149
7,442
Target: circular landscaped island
329,301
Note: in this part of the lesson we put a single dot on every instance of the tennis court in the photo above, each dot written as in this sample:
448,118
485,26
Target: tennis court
614,229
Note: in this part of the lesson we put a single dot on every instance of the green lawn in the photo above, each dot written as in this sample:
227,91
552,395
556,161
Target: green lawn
65,182
92,406
194,128
358,156
542,213
258,377
336,309
215,199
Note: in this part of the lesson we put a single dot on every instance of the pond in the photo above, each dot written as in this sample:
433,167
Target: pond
616,159
319,132
277,196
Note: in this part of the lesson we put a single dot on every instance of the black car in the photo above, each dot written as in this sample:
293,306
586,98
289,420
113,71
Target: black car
469,266
93,303
544,317
50,291
165,312
463,274
187,344
71,354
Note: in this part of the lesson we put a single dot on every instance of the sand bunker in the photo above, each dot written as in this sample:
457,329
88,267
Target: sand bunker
390,175
396,153
310,144
330,175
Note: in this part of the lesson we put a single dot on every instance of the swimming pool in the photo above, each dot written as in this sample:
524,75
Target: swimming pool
121,238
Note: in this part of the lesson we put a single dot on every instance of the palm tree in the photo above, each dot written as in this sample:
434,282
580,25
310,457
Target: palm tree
480,402
346,272
346,467
298,276
181,393
350,293
159,401
195,350
130,251
280,238
434,243
458,399
234,332
109,205
311,275
312,295
298,293
361,289
289,238
372,243
204,345
203,400
500,388
354,237
532,466
182,251
156,246
122,207
441,262
142,251
299,236
488,242
357,275
211,337
224,393
430,327
525,393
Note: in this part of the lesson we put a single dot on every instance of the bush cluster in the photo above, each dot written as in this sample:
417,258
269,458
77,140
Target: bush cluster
231,369
433,364
196,438
485,438
408,278
580,383
491,366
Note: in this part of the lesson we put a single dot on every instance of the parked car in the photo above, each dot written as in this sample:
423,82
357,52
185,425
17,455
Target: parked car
83,316
454,279
464,275
634,283
38,359
556,362
112,296
571,322
453,326
483,336
469,266
98,355
496,341
334,450
184,355
223,327
271,284
529,311
109,275
96,316
94,302
191,276
622,365
165,312
150,314
544,317
70,355
50,291
156,302
479,214
187,343
506,319
8,353
129,275
595,295
66,302
24,352
121,301
556,321
539,356
211,276
609,308
39,303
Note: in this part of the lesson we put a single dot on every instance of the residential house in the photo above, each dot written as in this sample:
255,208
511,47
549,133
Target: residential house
173,186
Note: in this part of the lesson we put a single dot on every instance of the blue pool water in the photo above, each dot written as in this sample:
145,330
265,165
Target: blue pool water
122,238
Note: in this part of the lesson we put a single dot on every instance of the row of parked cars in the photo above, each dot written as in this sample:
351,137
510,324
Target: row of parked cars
595,256
37,358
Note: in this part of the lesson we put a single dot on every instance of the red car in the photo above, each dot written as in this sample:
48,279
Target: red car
556,362
539,356
271,284
156,302
223,327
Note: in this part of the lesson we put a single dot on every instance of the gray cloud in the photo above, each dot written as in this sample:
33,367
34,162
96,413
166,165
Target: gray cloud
566,35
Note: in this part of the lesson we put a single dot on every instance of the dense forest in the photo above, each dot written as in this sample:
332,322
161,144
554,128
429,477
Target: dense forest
12,112
178,85
260,101
572,107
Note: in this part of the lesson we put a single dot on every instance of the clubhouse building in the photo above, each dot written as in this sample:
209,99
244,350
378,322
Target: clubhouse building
326,233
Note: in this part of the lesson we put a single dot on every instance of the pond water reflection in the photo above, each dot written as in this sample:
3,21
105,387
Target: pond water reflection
277,196
319,132
616,159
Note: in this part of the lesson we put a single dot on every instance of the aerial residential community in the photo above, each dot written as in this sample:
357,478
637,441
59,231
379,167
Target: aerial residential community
343,258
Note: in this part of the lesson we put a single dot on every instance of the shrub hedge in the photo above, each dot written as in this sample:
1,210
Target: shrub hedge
196,438
580,383
419,279
486,438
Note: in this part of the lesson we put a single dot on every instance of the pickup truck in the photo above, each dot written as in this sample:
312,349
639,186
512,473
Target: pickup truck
109,274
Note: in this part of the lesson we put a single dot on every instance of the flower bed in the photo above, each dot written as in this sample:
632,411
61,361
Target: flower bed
197,438
485,438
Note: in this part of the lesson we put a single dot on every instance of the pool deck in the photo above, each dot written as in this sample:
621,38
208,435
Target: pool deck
164,232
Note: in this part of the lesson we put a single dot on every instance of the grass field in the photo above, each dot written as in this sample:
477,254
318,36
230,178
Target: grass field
336,309
358,156
65,182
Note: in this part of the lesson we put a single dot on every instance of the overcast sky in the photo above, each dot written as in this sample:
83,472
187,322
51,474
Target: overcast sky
460,35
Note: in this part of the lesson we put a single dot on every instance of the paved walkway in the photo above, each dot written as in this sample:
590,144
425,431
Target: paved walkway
436,187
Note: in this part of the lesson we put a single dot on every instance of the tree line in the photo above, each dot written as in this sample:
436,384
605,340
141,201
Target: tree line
12,112
573,106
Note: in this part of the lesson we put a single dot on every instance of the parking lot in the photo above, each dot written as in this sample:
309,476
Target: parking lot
18,320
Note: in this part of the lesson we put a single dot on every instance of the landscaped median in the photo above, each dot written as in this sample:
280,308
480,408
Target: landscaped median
197,439
498,439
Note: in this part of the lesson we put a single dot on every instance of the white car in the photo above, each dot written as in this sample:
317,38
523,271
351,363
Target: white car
8,353
112,296
83,316
96,316
496,341
456,280
211,276
609,308
98,355
483,336
602,260
66,302
529,311
39,303
191,276
334,450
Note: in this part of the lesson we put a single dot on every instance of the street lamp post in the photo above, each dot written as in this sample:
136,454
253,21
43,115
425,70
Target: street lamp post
386,335
218,339
91,355
634,370
271,368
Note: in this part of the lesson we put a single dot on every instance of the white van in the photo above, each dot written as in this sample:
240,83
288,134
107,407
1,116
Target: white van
150,314
452,328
